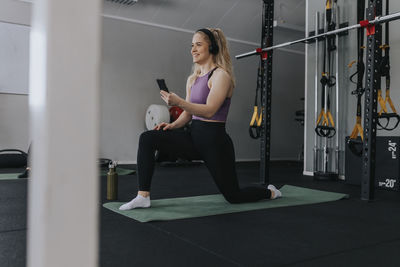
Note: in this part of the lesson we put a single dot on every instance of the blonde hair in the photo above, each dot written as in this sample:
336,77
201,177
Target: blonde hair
221,60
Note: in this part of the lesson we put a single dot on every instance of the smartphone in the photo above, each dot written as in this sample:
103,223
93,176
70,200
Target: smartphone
162,85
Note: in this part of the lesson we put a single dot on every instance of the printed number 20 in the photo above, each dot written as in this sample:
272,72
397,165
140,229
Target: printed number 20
390,183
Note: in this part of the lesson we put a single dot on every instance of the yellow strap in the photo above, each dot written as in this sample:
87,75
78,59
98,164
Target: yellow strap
357,129
320,116
360,129
391,105
331,119
389,100
325,121
382,102
352,63
259,120
254,117
326,118
354,133
384,46
328,4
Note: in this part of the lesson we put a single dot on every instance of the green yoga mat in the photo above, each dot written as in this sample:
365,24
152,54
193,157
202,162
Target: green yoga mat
120,171
9,176
199,206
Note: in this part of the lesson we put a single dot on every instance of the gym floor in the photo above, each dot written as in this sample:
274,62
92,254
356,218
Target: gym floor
348,232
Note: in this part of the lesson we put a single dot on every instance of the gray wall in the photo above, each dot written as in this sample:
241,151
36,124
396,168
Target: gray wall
346,120
14,122
134,55
14,115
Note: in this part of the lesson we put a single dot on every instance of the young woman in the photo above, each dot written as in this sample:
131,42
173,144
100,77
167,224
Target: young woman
208,96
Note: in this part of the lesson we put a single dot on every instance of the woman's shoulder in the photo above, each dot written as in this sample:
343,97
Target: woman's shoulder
221,73
221,77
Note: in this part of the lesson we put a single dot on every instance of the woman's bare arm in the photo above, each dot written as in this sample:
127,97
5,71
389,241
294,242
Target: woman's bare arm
218,93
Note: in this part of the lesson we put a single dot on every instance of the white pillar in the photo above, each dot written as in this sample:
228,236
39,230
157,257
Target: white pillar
63,190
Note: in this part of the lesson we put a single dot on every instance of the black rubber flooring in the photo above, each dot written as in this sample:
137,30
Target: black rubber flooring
348,232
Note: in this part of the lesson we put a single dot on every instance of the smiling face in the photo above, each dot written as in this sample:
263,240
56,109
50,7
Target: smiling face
200,51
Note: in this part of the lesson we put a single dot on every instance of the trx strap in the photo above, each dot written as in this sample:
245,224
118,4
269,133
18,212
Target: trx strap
325,124
385,72
256,119
356,138
255,128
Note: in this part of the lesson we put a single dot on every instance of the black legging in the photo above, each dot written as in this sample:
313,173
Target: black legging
207,141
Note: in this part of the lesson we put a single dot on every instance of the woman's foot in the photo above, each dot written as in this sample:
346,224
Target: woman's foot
138,202
275,193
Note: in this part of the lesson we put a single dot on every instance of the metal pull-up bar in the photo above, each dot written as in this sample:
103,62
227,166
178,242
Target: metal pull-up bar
364,23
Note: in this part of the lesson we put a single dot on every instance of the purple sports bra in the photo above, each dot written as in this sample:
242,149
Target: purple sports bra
199,93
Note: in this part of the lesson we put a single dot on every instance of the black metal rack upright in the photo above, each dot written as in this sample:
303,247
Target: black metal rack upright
372,83
267,41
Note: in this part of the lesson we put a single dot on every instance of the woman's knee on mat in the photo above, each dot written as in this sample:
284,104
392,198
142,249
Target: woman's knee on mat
232,197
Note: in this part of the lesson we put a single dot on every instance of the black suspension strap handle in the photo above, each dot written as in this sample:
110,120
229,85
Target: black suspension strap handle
325,124
355,141
384,114
255,124
356,138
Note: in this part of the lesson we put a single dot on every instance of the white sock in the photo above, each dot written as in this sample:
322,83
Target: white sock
277,193
138,202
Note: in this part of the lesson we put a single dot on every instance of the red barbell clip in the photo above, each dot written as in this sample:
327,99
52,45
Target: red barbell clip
264,55
370,27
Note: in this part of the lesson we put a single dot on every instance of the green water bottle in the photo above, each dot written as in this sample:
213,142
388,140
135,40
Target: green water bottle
112,181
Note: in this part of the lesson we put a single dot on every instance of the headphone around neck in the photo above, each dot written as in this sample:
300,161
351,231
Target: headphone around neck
213,48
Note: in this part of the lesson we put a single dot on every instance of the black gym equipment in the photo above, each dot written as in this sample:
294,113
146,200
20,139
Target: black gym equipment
256,119
383,114
260,125
372,83
13,158
325,126
355,141
368,24
387,172
267,41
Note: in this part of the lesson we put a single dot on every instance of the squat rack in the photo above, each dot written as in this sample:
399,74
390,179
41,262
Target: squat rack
372,83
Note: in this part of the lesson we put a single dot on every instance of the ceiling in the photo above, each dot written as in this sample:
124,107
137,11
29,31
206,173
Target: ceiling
239,19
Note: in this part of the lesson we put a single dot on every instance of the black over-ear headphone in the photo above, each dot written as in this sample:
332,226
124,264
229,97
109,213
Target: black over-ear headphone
213,48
